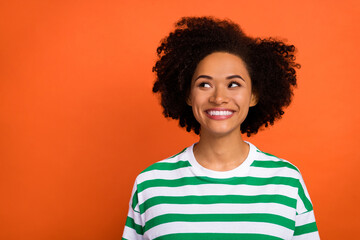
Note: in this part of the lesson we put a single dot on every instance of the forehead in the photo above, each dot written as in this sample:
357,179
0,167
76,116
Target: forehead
221,64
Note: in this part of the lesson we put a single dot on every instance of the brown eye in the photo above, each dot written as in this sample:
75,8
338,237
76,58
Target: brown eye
234,84
204,85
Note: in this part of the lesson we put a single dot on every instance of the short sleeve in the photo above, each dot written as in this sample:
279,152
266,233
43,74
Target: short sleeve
305,224
133,227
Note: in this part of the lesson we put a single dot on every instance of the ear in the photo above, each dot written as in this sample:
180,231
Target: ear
254,100
188,101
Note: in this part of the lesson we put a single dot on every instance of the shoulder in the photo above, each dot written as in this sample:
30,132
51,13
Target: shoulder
271,161
267,162
165,167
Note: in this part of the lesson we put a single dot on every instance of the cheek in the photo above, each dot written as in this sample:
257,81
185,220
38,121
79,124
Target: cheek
198,104
196,107
196,113
197,100
242,99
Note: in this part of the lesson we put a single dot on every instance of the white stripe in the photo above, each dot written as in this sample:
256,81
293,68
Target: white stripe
136,216
270,208
173,160
218,189
300,207
132,198
131,234
308,236
186,172
272,172
165,174
264,156
305,189
219,227
305,218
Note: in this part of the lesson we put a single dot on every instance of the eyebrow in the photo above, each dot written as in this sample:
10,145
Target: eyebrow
228,78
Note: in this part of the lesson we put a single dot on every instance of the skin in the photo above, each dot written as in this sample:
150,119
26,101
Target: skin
221,82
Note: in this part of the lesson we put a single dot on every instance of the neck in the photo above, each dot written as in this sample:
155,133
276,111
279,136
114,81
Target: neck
221,153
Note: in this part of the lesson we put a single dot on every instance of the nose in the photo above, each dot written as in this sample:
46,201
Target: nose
219,96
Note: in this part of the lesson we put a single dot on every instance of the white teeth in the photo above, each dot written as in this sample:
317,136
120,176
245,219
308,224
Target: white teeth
219,113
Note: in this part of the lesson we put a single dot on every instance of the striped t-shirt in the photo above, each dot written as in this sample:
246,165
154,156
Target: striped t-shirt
265,198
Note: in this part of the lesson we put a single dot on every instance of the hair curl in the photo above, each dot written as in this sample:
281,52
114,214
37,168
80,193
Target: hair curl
270,63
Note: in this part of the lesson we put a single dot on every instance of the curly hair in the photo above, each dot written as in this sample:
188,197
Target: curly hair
270,63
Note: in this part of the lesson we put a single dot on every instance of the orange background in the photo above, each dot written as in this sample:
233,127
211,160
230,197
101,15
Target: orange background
78,120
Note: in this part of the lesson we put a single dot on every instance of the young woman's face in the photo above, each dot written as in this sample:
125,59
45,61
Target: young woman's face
220,94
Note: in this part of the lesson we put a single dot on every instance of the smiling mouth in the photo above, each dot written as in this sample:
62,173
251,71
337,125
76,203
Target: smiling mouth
219,113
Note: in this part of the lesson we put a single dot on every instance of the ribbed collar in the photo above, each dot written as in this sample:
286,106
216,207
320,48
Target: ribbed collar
241,170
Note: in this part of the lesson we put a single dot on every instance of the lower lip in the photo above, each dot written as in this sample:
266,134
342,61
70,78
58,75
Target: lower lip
219,117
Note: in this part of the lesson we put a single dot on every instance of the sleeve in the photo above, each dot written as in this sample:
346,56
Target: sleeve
305,224
133,227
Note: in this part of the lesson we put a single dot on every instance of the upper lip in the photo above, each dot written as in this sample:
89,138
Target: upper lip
219,109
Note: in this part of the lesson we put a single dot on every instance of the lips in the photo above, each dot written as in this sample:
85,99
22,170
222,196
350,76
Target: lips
219,114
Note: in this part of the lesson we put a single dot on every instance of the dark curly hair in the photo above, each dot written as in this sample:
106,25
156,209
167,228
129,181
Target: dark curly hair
270,63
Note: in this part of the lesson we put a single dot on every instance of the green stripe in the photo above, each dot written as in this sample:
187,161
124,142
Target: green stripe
304,199
217,199
268,154
254,181
307,228
167,166
131,224
216,236
178,153
135,200
273,164
254,217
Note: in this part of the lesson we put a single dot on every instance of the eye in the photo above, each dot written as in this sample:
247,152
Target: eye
234,84
204,85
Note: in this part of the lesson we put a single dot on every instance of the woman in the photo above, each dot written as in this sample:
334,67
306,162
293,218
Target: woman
220,83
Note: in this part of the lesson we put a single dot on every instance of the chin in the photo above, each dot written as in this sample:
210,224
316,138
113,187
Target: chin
221,132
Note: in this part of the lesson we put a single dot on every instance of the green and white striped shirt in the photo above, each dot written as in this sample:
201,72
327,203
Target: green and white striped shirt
178,199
